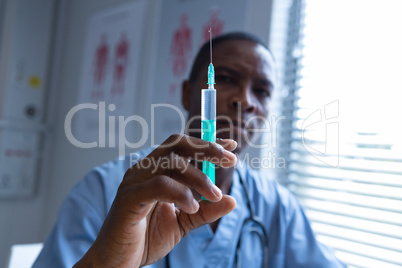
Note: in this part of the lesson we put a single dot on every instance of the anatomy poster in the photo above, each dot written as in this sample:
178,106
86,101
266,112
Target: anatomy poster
184,27
110,66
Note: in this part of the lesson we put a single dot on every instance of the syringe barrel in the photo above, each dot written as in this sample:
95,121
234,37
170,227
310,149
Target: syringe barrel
208,126
208,104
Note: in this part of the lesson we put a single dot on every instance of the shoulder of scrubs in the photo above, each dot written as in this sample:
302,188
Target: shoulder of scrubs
292,242
83,212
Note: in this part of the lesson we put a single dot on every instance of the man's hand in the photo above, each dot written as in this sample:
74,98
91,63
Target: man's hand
154,207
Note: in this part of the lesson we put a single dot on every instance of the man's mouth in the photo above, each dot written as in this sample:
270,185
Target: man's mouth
233,125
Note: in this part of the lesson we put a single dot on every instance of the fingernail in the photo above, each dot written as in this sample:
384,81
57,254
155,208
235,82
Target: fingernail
229,155
217,191
196,205
234,143
230,142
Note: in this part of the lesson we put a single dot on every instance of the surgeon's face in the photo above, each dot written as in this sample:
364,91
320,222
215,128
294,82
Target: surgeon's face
244,74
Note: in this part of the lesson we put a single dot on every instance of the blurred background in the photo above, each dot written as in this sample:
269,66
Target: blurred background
81,82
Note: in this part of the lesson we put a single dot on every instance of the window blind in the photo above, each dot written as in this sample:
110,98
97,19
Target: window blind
339,64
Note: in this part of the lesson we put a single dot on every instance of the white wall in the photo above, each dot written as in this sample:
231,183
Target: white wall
65,164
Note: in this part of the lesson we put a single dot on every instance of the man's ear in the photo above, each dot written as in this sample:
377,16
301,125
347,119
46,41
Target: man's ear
186,94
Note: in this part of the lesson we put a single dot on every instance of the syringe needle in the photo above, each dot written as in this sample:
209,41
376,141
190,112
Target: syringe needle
210,43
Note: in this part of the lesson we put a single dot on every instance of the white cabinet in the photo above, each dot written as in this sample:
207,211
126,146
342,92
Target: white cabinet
24,59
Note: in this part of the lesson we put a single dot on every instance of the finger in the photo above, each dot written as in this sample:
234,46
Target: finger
198,149
228,144
188,148
160,188
192,177
207,213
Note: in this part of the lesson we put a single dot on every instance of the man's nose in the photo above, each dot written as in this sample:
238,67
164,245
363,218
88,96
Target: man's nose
243,100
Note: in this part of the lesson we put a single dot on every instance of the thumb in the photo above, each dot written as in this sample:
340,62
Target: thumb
207,213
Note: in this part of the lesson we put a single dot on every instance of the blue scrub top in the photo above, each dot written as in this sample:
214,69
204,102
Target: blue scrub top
291,240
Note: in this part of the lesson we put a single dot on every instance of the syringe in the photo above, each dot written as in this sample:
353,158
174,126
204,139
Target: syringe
208,114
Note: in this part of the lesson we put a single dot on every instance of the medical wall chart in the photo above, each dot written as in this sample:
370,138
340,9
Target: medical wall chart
109,74
184,27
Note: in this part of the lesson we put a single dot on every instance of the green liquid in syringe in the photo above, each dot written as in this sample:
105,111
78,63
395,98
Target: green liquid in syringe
208,134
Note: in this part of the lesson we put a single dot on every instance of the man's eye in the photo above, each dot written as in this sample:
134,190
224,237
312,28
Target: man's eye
223,79
262,92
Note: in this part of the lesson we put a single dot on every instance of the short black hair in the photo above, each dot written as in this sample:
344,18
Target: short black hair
203,54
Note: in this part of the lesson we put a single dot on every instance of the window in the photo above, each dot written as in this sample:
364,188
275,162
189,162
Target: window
340,84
